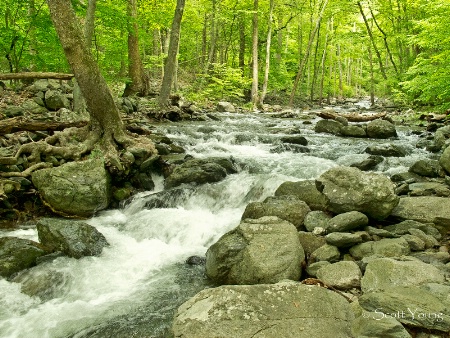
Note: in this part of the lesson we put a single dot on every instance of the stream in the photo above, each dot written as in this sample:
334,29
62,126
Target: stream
134,287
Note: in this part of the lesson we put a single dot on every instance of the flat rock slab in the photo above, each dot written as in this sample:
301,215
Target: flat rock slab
425,209
278,310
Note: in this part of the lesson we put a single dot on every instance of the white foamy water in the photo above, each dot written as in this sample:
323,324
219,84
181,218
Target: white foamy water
140,279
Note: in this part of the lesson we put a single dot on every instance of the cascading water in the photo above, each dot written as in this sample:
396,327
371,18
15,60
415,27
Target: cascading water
134,287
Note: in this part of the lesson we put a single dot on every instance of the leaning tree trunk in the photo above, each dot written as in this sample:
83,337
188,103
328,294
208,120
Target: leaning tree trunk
170,65
254,92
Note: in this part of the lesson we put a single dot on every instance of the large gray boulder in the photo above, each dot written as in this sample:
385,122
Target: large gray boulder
305,191
55,100
444,160
383,273
289,208
425,209
381,129
350,189
75,188
413,305
278,310
224,106
329,127
17,254
200,171
73,238
265,250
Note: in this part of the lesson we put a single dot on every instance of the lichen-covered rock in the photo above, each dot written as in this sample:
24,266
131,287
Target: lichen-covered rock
341,275
289,208
265,250
444,160
425,209
17,254
347,221
427,168
373,324
75,188
387,247
316,219
305,191
310,242
383,273
73,238
381,129
350,189
343,239
326,252
277,310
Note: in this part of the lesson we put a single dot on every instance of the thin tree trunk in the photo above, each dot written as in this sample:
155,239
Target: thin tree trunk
212,38
308,50
339,61
89,23
372,40
372,79
268,45
32,34
169,67
322,66
254,92
242,43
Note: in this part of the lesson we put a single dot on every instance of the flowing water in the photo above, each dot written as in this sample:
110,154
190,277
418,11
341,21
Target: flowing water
134,287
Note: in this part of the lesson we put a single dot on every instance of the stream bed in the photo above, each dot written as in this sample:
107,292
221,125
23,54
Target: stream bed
134,287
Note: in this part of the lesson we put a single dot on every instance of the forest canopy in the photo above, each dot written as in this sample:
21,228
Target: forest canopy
309,50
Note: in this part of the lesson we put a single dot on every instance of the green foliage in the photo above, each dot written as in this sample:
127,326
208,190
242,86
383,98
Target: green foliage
221,83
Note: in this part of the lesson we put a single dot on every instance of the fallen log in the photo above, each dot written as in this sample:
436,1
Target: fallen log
22,124
351,117
35,75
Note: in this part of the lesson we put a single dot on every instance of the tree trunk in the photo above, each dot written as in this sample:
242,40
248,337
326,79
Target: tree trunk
169,67
89,23
139,82
254,92
268,44
308,50
372,80
104,114
372,41
242,43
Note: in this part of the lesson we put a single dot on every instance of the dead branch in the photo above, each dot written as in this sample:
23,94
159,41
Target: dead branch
35,75
351,117
22,124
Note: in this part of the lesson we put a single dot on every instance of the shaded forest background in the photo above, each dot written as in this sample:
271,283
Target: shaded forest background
252,50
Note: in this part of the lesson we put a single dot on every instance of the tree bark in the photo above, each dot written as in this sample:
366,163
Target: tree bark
268,45
254,92
89,23
308,50
105,117
139,82
169,67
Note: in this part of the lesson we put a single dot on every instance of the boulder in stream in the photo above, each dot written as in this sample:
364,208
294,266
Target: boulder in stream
350,189
329,127
75,188
265,250
381,129
73,238
285,309
305,191
17,254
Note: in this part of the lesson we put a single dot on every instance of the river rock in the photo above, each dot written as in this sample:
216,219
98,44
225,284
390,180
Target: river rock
278,310
350,189
353,131
387,247
383,273
43,283
200,171
381,129
343,239
73,238
341,275
312,268
372,324
265,250
404,228
224,106
427,168
444,160
295,140
310,242
429,189
17,254
328,126
410,305
347,221
414,242
75,188
369,163
425,209
305,191
386,150
326,252
316,219
288,208
55,100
